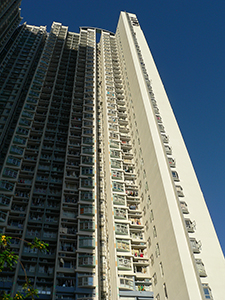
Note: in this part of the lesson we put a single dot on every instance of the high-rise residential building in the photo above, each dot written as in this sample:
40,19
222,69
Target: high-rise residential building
17,69
9,21
96,166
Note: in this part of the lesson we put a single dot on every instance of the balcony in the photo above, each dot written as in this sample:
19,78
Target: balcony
179,191
136,236
190,225
118,199
121,229
132,193
136,223
16,150
120,213
87,196
117,175
114,144
124,263
123,245
125,144
86,260
201,268
195,245
184,207
6,186
4,200
141,272
87,210
116,164
85,281
123,120
3,217
87,183
126,283
86,225
118,187
175,176
165,138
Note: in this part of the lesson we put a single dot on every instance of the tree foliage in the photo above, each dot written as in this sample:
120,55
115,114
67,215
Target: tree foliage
8,259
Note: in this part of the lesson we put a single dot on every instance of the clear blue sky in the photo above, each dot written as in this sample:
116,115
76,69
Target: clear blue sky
187,39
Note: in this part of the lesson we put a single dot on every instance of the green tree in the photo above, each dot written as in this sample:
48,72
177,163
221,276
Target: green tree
8,259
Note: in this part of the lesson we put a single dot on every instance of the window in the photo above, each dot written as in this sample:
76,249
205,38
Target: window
207,291
4,200
118,199
121,229
87,131
190,225
117,174
86,260
171,162
88,150
165,290
154,231
88,116
87,140
21,130
123,245
116,164
27,114
168,150
161,269
6,186
146,225
16,150
13,161
25,122
124,263
175,176
126,282
30,106
87,160
151,216
144,210
115,153
179,191
19,140
196,246
87,225
89,183
120,213
86,210
85,280
87,171
152,260
114,144
201,268
157,250
87,196
136,235
165,138
10,173
154,277
184,208
118,187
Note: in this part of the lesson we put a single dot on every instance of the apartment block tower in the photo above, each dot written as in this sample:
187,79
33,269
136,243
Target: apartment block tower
9,21
96,166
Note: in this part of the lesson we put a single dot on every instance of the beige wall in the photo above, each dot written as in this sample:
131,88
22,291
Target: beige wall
176,255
